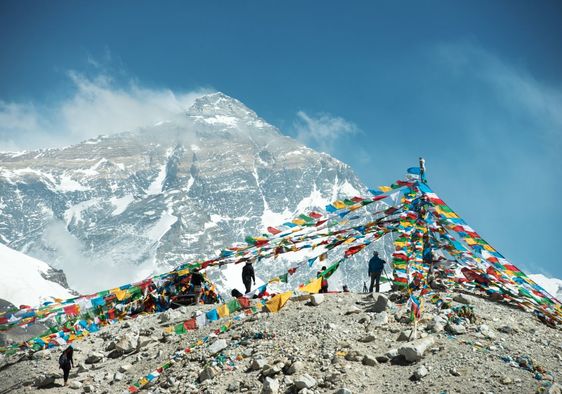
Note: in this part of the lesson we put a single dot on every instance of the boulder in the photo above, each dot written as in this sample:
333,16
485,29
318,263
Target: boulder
43,380
41,354
94,358
257,364
206,373
316,299
343,390
218,346
353,310
115,353
305,381
455,329
370,361
75,385
88,388
380,304
270,386
127,343
117,377
380,319
295,367
486,331
125,367
368,338
414,351
405,335
420,373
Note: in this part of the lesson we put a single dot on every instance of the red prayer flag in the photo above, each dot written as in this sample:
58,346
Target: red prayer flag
190,324
273,230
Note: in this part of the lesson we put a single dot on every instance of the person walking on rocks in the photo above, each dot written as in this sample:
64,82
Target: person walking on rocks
248,276
376,265
66,362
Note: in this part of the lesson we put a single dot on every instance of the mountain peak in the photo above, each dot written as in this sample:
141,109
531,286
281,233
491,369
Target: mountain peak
219,104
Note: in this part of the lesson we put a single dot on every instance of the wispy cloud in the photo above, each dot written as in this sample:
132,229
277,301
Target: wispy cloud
322,131
97,105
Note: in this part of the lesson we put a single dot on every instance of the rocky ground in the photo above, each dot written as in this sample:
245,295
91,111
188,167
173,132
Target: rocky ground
333,343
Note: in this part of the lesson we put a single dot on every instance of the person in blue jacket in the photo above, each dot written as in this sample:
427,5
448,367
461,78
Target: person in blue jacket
376,265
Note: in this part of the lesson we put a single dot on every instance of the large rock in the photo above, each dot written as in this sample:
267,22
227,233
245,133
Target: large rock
413,351
206,373
127,343
41,354
420,373
295,367
455,329
486,331
75,385
218,346
316,299
368,338
94,358
257,364
380,319
270,386
370,361
380,304
43,380
305,381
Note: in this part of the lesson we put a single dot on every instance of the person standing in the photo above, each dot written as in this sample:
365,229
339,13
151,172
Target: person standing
66,362
376,265
324,283
197,283
248,276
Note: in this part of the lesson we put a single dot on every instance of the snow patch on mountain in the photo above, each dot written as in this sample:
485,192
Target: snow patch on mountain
121,203
22,280
162,226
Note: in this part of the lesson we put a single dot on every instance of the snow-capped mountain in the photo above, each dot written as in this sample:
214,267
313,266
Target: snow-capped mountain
28,281
117,208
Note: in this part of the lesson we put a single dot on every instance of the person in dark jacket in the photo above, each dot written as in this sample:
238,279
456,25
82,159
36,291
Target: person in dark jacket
324,283
197,283
376,265
248,276
66,362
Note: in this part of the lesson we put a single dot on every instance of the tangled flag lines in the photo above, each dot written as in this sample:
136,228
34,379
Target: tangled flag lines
433,249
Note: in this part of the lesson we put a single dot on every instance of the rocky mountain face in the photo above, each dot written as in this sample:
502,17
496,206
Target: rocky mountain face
117,208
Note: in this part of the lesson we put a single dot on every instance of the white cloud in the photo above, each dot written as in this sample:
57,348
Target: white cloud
96,106
323,131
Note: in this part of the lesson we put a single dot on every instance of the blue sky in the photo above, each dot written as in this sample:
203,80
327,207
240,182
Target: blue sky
475,87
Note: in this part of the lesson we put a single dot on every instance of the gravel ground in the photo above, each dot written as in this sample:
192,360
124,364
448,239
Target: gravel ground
353,342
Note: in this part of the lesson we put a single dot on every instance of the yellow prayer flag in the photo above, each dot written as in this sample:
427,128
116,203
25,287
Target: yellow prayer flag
385,189
338,204
120,294
278,301
223,310
313,287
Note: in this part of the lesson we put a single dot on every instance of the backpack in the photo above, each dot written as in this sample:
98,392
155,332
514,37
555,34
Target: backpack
63,360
